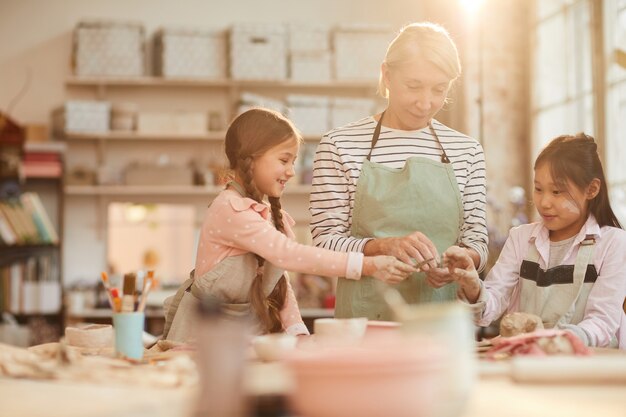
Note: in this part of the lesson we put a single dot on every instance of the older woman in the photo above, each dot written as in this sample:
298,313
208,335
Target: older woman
401,183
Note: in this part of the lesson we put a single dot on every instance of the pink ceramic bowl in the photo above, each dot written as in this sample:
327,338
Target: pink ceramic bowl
389,378
376,329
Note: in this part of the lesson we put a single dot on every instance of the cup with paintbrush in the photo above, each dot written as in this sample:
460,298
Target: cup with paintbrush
128,322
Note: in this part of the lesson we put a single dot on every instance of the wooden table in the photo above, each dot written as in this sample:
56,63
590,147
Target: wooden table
495,396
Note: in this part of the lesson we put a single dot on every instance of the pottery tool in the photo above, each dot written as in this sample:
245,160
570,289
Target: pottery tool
128,293
107,288
421,264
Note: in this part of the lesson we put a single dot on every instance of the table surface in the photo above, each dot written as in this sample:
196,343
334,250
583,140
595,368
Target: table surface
494,395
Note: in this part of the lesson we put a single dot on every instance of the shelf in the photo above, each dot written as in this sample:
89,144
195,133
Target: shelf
161,190
157,312
104,313
11,254
136,136
77,81
50,147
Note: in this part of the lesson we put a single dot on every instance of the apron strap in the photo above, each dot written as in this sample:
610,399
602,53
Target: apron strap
533,254
444,156
376,135
237,187
583,258
173,307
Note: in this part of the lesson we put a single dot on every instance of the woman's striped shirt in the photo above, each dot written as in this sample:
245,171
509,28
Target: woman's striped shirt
337,166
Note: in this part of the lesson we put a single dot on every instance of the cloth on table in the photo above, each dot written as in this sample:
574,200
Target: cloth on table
58,361
538,343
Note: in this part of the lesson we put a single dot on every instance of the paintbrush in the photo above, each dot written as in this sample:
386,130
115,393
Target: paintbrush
128,292
117,301
147,286
107,288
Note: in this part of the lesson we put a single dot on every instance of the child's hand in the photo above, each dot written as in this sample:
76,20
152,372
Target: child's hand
387,269
461,266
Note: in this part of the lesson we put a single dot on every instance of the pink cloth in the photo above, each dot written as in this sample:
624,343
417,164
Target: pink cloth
604,315
234,225
530,344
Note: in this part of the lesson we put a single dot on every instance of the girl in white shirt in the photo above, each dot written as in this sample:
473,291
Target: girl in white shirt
569,268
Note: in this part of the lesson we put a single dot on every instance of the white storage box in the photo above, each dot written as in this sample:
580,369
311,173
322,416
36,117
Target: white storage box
310,114
184,53
311,66
109,48
182,123
309,38
248,101
348,110
359,51
258,52
82,116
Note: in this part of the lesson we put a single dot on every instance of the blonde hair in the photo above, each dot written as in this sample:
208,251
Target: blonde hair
424,40
249,136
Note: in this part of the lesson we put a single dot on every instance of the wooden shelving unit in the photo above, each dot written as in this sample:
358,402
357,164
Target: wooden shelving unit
210,83
121,136
107,154
159,190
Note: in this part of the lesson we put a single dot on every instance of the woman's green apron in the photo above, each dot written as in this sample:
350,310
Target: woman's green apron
423,196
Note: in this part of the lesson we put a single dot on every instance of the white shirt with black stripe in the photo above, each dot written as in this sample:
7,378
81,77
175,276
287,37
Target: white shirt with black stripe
337,166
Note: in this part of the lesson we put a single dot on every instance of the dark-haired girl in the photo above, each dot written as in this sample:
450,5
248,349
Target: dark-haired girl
569,268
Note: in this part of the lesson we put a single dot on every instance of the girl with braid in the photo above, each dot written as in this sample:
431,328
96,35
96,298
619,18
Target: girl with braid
247,241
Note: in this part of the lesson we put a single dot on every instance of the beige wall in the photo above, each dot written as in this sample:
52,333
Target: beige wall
36,34
506,97
36,37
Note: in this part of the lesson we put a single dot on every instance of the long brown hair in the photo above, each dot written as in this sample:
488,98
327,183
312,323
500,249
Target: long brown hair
575,158
249,136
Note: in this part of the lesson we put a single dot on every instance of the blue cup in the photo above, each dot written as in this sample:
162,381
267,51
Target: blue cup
128,334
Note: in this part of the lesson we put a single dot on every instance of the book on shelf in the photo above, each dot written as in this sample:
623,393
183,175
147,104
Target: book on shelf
31,286
7,235
33,204
42,163
25,221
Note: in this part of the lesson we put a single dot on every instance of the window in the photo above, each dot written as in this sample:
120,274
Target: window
615,51
562,92
563,97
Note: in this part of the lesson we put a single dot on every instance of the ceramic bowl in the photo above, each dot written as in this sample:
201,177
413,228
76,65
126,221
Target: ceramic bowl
330,331
376,328
371,380
273,347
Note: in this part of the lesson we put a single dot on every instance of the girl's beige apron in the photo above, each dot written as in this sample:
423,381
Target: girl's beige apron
423,196
229,281
562,300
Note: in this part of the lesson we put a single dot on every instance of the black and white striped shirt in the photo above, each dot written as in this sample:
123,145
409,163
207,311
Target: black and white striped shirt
338,163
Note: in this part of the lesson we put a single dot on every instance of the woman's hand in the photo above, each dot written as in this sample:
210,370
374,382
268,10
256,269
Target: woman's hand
461,269
411,249
387,269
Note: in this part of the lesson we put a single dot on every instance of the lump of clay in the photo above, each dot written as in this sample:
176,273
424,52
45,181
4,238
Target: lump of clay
517,323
